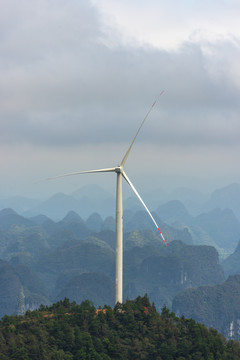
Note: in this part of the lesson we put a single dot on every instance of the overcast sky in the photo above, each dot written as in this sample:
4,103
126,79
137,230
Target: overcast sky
78,77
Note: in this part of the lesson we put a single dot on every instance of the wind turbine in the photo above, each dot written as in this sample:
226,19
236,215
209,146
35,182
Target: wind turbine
119,210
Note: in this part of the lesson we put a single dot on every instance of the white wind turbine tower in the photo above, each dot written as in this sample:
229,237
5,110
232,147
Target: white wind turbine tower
119,211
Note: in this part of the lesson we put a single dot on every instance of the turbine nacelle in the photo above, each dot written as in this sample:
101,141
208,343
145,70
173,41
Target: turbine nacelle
118,169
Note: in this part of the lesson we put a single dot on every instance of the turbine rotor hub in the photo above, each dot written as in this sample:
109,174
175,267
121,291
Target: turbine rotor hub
119,169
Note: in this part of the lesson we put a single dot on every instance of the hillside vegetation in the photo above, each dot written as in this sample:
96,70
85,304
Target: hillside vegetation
134,330
216,306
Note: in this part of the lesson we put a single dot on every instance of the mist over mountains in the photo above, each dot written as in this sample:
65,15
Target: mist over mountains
60,248
214,220
93,198
47,260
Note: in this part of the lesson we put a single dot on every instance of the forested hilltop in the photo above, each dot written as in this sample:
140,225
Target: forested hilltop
133,330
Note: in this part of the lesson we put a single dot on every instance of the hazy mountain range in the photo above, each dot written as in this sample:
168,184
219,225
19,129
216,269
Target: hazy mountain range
47,261
93,198
44,260
214,220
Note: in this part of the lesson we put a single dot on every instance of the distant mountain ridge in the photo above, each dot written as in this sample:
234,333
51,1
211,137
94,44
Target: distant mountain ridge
218,227
9,217
93,198
173,211
60,254
226,197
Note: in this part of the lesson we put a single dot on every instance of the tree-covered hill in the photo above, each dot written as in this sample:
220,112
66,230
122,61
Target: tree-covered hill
231,264
163,272
216,306
134,330
13,280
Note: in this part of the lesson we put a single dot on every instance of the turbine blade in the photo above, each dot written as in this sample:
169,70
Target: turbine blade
82,172
143,203
129,149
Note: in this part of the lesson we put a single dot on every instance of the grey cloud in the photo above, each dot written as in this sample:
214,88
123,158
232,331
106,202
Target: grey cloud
62,85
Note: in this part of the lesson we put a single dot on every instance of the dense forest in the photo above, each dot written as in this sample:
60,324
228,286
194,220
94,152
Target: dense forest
133,330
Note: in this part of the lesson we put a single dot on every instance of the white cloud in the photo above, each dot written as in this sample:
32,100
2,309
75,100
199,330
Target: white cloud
168,24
